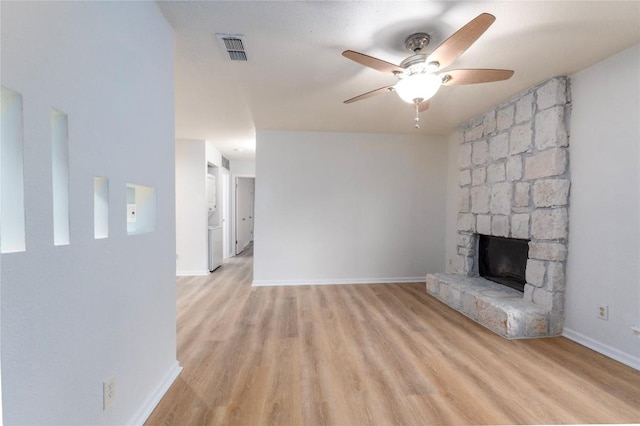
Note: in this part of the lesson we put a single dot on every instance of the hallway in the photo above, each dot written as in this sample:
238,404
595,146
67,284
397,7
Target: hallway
371,354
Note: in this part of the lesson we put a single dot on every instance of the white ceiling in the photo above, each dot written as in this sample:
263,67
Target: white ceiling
296,78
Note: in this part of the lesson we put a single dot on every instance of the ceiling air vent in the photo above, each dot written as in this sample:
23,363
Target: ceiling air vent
234,46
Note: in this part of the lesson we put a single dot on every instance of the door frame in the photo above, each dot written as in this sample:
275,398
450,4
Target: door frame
225,183
234,229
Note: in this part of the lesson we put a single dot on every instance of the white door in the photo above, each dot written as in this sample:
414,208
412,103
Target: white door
244,212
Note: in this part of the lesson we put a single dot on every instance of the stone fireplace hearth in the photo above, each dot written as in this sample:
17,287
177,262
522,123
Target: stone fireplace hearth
514,182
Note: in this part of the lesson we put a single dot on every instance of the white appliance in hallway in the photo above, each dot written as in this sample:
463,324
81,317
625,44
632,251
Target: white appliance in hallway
215,244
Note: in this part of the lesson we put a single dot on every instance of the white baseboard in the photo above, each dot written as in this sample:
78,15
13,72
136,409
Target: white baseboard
391,280
154,398
625,358
192,273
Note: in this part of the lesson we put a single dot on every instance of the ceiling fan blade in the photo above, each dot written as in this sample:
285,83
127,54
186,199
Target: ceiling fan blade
459,77
461,40
371,62
424,105
370,94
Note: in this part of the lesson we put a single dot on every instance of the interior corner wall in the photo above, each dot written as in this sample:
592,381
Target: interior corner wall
604,239
192,245
213,156
191,208
348,207
1,415
451,234
77,315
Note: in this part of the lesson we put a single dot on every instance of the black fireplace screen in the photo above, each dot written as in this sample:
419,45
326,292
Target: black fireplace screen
503,260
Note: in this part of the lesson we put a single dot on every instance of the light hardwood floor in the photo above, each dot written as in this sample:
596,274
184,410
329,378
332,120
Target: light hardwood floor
371,354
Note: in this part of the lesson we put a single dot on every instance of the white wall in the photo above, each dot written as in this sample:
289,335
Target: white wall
603,263
451,234
192,157
76,315
191,212
348,207
213,156
242,167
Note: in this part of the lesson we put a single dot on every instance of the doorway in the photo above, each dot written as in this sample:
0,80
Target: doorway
244,217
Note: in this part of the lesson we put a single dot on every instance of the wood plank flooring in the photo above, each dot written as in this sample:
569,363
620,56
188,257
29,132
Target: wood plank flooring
371,355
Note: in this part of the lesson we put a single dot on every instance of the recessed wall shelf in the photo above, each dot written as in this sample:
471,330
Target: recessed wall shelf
100,207
12,220
141,209
60,176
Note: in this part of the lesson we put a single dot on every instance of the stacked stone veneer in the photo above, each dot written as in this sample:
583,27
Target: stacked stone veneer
514,182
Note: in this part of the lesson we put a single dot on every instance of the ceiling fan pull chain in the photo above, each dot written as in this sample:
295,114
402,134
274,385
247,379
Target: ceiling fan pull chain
417,119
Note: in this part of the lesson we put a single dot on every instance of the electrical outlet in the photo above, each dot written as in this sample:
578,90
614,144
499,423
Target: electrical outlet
108,393
603,312
131,213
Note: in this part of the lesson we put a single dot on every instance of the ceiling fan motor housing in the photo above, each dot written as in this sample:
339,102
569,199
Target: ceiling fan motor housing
414,64
416,42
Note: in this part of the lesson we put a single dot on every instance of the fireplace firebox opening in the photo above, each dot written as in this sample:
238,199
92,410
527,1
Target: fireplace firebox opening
503,260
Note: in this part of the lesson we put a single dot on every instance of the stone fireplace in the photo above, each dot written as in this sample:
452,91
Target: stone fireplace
514,183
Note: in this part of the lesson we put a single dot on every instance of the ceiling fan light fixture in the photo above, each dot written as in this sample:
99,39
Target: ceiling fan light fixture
418,86
432,66
418,81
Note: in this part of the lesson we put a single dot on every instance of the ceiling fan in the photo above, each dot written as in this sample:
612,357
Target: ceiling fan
419,76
